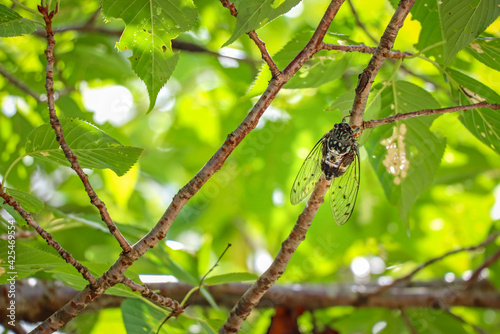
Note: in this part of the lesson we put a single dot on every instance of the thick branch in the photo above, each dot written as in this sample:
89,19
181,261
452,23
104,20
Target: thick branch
367,77
35,302
56,125
363,48
48,237
253,295
427,112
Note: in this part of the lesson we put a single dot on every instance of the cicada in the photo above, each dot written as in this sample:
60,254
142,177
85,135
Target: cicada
337,155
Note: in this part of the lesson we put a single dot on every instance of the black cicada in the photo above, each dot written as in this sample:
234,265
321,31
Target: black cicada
336,155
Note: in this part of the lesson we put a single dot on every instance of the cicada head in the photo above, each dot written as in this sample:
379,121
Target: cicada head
341,138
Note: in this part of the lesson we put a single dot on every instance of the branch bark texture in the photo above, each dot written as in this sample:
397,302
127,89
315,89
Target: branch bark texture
427,112
255,292
367,77
56,125
48,237
35,301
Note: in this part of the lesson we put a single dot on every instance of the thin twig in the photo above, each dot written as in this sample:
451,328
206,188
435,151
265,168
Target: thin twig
408,276
489,261
367,32
367,77
48,237
427,112
56,125
153,296
408,321
254,37
254,294
265,54
19,84
176,44
478,329
198,289
359,23
363,48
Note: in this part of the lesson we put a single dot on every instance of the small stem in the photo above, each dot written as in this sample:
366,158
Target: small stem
32,11
489,261
408,276
427,112
364,49
10,168
56,125
427,49
48,237
19,84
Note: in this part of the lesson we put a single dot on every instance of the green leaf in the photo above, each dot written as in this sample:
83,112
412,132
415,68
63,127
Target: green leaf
253,15
324,67
141,317
426,12
28,202
487,51
423,149
483,123
28,261
461,22
12,24
229,278
150,27
94,148
436,322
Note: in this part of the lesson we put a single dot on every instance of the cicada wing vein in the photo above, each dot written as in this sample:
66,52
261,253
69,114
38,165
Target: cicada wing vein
344,190
308,174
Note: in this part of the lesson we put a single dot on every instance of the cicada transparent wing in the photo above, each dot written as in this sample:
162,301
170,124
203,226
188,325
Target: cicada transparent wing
344,189
308,175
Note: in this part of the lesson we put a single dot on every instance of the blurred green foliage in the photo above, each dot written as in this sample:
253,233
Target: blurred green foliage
450,199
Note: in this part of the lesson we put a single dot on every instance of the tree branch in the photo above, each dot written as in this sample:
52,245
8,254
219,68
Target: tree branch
19,84
154,297
48,237
35,302
364,49
489,261
427,112
359,23
56,125
408,276
367,77
253,295
254,37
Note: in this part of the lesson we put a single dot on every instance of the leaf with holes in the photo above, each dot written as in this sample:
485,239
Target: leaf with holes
255,14
423,149
150,25
487,51
461,22
12,24
483,123
94,148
